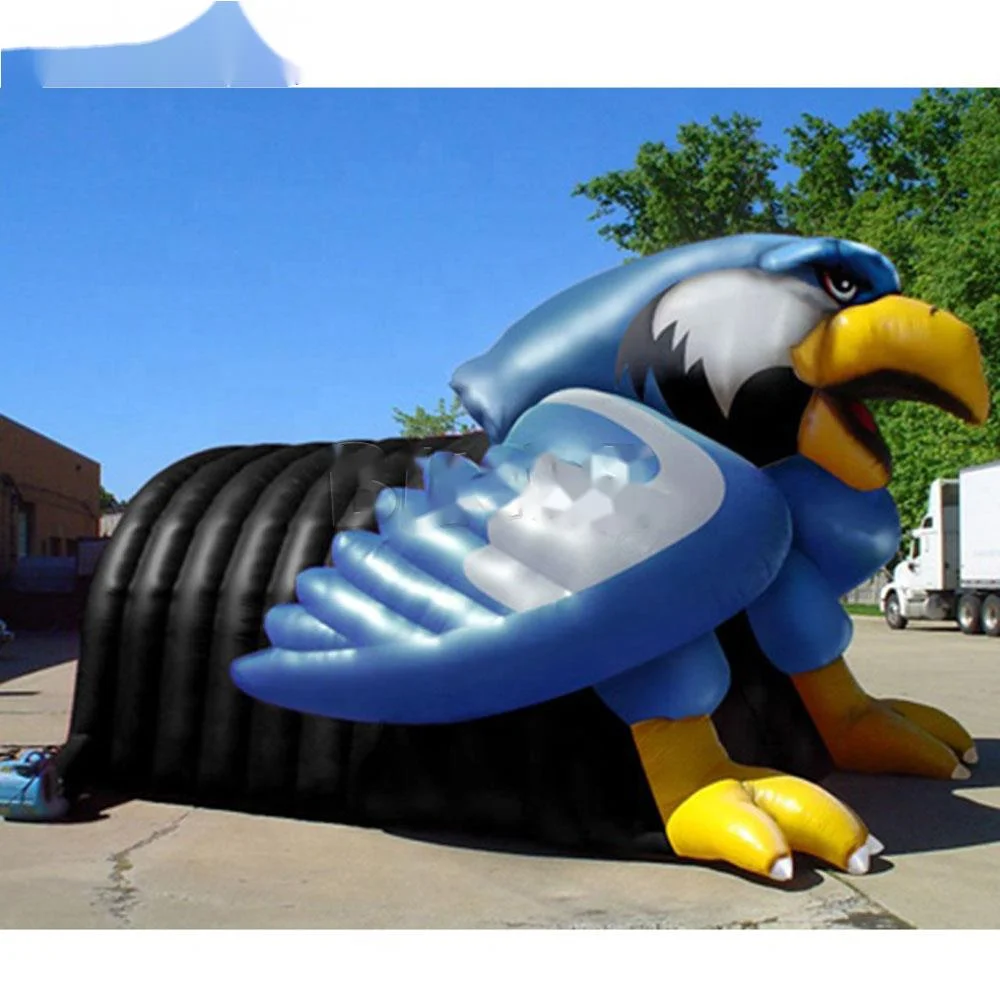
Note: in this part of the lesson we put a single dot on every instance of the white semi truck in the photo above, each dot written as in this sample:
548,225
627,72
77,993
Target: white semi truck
953,569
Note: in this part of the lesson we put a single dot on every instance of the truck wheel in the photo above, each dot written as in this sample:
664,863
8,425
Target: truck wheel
990,616
894,613
969,614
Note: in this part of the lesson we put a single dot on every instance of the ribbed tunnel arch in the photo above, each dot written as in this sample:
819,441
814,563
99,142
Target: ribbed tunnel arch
212,542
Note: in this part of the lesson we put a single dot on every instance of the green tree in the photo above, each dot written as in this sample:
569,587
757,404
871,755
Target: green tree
922,185
821,199
109,502
423,423
716,182
956,265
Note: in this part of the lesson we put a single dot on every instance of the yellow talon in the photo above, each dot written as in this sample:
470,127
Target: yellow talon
813,820
882,736
938,724
716,810
721,823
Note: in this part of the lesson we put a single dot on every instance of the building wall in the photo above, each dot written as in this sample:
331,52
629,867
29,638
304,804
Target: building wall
109,522
53,490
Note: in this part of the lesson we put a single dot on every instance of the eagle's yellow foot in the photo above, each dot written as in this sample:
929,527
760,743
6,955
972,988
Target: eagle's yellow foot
716,810
882,736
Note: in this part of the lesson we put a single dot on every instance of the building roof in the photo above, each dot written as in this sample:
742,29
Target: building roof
58,444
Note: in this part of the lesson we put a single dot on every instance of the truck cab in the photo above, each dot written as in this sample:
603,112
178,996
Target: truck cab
924,584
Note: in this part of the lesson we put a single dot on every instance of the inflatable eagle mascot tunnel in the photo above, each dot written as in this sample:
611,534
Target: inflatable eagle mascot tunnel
673,442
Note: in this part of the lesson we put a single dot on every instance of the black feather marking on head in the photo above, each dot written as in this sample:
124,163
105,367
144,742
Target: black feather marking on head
637,351
764,418
685,390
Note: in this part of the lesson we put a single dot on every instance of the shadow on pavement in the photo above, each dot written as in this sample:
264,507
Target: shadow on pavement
912,815
34,651
651,849
909,815
92,807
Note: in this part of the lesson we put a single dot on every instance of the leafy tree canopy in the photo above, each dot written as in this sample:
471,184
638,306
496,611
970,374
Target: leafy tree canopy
110,504
424,423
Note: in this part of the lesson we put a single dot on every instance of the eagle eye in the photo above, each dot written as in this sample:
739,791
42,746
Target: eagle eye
840,284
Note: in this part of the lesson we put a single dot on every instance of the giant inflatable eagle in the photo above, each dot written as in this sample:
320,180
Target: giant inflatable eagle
674,441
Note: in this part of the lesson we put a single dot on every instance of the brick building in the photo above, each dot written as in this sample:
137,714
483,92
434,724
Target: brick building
49,496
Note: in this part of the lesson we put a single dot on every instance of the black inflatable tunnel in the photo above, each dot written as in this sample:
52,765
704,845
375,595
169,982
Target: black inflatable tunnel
215,540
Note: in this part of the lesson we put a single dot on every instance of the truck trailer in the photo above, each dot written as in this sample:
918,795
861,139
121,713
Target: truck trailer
953,569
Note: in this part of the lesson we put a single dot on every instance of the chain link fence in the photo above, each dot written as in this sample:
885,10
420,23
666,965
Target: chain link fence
868,592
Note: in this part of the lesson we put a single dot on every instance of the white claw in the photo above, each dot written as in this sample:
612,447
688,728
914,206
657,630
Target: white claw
857,863
782,869
971,756
960,773
874,845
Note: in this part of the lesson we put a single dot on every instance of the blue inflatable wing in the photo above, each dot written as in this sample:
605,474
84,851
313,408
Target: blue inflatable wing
598,536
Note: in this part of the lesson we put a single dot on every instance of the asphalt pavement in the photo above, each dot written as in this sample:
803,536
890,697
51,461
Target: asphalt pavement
149,865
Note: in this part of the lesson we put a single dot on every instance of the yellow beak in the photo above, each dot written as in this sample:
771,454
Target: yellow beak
896,348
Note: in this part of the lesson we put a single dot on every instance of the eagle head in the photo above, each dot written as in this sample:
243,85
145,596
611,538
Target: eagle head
767,344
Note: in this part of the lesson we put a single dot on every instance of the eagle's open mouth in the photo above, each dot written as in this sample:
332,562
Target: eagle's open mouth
859,422
892,348
847,401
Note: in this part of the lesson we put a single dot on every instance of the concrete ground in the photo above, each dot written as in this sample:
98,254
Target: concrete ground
159,866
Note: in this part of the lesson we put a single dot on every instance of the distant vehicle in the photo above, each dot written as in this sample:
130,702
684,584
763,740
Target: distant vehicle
5,634
953,570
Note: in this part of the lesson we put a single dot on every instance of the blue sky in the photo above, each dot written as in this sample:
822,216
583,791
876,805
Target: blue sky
186,268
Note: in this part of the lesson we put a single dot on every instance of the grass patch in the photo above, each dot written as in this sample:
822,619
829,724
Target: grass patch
868,610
